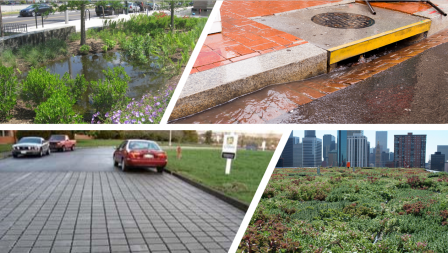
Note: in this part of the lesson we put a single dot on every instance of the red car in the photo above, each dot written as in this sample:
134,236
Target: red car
140,153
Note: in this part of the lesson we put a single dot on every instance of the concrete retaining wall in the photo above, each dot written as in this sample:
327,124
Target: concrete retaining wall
36,37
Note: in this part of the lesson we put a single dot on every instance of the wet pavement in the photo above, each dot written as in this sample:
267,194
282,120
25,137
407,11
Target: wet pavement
399,87
414,92
78,202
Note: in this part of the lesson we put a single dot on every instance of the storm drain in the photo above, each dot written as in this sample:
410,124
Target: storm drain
343,20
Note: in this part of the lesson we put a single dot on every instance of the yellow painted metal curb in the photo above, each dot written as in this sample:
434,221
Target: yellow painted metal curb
361,46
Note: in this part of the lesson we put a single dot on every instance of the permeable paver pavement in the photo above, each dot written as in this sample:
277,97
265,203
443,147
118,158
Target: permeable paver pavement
111,212
273,101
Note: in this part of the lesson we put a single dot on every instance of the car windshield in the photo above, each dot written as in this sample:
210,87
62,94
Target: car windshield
30,7
30,140
57,138
136,145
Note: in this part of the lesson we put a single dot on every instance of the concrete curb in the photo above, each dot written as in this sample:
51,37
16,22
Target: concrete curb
219,85
5,155
232,201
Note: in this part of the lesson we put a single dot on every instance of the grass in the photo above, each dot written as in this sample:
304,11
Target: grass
207,167
98,143
369,210
5,147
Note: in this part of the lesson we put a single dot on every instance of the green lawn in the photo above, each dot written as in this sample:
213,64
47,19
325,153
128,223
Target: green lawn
207,167
98,143
5,147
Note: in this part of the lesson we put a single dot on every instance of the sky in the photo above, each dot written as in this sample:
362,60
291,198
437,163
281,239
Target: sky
433,138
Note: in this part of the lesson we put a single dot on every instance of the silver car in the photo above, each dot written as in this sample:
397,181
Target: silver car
35,146
133,7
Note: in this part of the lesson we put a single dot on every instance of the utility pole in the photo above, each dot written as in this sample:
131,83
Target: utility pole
1,22
66,14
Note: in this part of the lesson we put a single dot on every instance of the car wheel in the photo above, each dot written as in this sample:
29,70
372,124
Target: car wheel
115,162
63,149
48,152
160,169
73,148
41,153
123,165
14,155
32,14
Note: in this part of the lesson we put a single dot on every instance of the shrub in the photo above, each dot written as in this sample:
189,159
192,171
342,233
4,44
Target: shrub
104,47
39,85
8,92
110,43
58,109
84,49
110,91
76,87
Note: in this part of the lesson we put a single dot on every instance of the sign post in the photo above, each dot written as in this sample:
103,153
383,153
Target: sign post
229,148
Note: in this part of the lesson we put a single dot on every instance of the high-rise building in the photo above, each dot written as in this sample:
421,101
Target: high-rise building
381,138
329,144
438,161
409,151
357,150
310,133
443,149
332,158
342,145
312,150
292,153
279,162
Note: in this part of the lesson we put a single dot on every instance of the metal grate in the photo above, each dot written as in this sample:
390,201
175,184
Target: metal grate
343,20
15,28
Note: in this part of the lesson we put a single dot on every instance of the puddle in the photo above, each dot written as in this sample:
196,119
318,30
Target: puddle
144,77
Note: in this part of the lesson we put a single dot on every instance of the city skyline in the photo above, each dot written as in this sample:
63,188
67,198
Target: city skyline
434,138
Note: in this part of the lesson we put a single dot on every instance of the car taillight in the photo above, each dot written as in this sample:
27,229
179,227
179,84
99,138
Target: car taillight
162,156
133,154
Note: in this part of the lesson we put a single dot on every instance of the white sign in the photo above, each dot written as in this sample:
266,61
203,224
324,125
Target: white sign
263,145
230,144
229,148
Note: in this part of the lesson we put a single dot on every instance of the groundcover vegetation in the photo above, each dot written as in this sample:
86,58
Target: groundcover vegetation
369,210
54,98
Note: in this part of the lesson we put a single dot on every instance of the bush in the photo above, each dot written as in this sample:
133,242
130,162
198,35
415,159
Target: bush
110,91
76,87
40,85
8,91
84,49
58,109
104,48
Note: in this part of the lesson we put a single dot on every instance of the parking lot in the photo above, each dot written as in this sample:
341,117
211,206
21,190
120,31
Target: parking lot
78,202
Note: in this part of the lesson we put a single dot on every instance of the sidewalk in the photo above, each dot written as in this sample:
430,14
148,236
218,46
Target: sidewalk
245,57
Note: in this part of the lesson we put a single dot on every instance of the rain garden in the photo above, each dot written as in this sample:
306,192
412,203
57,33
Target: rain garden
124,74
340,210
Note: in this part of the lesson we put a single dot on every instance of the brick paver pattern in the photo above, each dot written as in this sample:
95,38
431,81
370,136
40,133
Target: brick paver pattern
242,38
273,101
111,212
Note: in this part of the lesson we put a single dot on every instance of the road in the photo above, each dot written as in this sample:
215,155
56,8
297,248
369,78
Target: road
58,17
77,202
414,92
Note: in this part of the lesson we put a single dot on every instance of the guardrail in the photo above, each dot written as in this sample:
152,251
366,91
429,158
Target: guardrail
15,28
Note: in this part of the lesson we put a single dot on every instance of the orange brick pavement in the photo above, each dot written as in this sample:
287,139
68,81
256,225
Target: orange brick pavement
242,38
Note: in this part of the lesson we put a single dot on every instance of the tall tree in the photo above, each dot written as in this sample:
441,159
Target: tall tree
81,6
1,22
208,137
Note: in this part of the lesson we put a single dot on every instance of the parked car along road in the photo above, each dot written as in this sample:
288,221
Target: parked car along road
140,153
133,7
62,143
31,146
152,6
108,10
31,10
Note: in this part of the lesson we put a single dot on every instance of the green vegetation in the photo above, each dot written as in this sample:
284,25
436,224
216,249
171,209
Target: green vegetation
98,143
5,147
8,91
84,49
375,210
207,167
34,54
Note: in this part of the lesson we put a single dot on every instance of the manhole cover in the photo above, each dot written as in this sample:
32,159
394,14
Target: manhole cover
343,20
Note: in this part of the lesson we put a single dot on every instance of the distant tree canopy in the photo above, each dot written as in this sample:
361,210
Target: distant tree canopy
185,136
